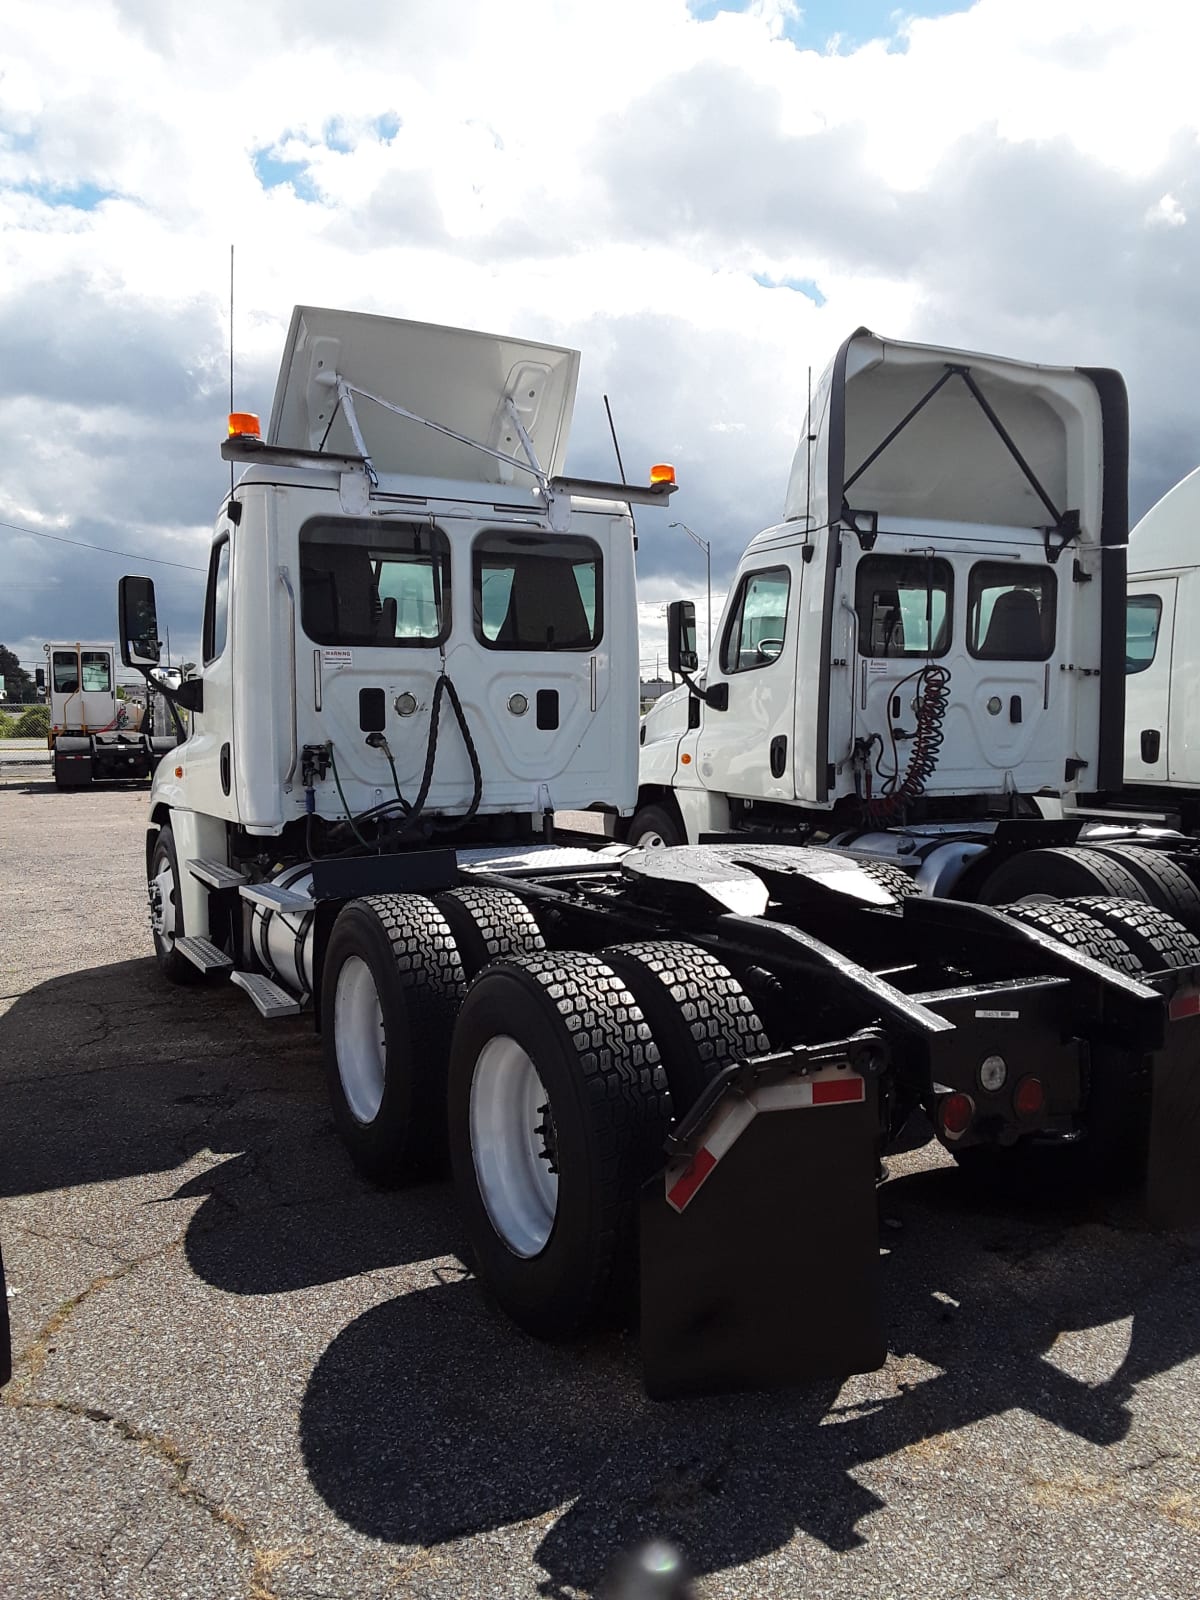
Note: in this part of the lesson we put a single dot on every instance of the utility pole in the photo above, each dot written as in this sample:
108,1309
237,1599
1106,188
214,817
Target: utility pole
707,548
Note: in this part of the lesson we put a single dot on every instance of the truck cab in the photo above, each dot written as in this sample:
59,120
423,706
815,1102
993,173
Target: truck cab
934,628
1162,657
408,613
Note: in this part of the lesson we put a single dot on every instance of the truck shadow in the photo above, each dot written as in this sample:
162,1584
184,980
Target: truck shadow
114,1074
986,1313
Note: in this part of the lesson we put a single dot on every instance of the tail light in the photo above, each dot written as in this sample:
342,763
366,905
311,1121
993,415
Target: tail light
954,1115
1029,1097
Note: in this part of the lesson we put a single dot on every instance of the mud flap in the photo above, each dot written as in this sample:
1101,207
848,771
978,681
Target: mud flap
760,1248
1173,1156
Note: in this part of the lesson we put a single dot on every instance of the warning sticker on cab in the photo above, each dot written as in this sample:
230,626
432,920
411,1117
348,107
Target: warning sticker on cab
331,660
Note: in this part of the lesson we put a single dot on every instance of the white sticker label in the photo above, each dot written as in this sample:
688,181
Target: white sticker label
1000,1016
333,659
874,667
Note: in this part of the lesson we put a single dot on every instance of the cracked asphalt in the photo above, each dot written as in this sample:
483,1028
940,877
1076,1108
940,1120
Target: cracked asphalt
241,1372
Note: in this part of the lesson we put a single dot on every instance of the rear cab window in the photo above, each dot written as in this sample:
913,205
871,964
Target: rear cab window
379,584
904,606
537,591
1011,611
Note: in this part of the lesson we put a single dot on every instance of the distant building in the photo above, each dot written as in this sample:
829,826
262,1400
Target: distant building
653,687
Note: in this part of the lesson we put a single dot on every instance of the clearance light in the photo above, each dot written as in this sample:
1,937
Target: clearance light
179,772
955,1113
1029,1097
662,473
244,425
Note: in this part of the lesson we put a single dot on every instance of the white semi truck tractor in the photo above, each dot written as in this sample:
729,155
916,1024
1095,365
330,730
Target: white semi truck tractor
925,661
419,646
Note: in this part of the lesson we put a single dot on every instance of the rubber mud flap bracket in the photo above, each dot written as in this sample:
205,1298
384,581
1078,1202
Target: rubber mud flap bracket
760,1250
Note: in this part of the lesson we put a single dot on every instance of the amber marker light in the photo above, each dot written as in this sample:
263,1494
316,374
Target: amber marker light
179,772
662,473
244,425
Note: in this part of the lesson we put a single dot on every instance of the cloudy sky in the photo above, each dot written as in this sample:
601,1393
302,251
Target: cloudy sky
703,196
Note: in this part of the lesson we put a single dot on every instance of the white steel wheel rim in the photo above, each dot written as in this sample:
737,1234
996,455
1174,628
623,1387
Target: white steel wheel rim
650,840
162,902
359,1039
517,1187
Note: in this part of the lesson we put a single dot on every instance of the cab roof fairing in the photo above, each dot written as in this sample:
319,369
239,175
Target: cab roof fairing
949,462
455,377
1165,538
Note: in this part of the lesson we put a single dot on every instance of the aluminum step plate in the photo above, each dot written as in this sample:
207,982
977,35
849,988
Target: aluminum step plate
204,954
216,874
276,899
271,1000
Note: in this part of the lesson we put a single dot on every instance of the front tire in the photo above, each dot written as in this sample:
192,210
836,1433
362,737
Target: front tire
390,988
654,828
558,1111
166,910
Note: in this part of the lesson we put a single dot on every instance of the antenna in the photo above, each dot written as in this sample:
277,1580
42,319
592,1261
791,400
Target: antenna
231,405
612,428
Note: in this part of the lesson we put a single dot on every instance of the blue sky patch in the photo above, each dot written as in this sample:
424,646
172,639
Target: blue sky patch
387,126
804,286
853,22
74,196
272,173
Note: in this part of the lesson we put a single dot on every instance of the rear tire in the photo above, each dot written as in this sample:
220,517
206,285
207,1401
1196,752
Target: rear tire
889,876
558,1256
390,989
700,1016
654,828
163,887
489,924
1157,939
1164,883
1070,925
1058,874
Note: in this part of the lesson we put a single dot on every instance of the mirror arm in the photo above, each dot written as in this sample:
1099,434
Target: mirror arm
717,697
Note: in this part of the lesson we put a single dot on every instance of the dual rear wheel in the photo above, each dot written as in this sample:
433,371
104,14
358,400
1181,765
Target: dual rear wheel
552,1080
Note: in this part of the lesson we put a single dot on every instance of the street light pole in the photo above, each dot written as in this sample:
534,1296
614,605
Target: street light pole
706,546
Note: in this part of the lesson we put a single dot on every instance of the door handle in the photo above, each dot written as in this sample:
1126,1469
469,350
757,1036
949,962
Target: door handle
1151,745
778,755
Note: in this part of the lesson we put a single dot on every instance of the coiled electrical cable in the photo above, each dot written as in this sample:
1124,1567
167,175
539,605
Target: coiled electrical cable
932,694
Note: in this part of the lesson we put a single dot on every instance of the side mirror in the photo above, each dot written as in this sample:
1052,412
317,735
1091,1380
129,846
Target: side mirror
681,637
138,622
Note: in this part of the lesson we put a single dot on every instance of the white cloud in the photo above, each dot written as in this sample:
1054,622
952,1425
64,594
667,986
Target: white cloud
1017,177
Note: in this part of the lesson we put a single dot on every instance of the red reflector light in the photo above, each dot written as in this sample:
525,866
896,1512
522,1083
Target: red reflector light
1029,1097
955,1113
1185,1004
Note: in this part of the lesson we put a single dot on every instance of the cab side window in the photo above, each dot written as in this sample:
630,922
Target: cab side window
1143,613
757,625
216,602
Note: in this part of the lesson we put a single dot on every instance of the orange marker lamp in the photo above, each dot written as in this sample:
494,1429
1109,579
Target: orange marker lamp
244,425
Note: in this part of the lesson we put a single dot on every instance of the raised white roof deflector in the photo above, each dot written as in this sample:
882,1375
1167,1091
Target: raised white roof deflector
450,376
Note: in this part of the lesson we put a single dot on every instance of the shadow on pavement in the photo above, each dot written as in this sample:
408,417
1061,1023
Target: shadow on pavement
431,1418
113,1073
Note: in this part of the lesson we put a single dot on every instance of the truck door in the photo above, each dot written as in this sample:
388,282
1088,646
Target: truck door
1149,636
745,749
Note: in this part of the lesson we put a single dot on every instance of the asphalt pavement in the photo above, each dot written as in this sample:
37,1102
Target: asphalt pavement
242,1372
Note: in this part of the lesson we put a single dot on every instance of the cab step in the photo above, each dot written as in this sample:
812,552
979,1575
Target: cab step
271,1000
216,874
203,953
276,899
